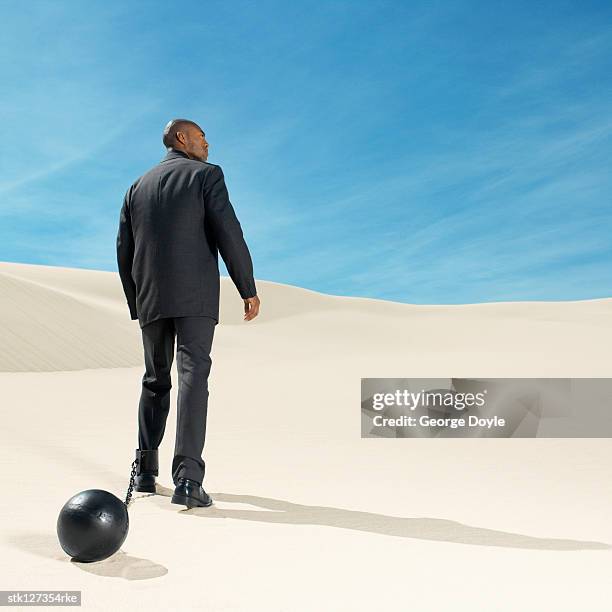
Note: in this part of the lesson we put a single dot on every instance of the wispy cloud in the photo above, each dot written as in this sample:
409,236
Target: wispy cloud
86,151
410,153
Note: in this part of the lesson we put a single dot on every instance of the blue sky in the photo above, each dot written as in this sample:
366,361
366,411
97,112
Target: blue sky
422,152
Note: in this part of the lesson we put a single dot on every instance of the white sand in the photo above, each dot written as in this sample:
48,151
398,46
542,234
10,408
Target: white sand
308,516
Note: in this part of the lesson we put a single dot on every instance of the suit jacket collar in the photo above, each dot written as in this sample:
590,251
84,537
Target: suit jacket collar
174,153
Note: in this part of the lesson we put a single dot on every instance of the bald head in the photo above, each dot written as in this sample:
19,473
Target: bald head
177,125
187,136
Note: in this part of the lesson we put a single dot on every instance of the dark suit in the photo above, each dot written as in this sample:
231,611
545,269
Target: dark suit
174,221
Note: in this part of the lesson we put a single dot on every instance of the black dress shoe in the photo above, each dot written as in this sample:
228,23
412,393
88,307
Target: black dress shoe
147,470
191,494
145,483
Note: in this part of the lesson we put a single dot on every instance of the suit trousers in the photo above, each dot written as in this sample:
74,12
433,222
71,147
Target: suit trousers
194,337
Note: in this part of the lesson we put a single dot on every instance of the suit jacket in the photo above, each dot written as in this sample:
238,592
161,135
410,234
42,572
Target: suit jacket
174,221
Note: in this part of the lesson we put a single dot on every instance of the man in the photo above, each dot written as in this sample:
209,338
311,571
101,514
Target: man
174,221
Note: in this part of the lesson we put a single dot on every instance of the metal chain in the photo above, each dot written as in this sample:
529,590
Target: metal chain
128,497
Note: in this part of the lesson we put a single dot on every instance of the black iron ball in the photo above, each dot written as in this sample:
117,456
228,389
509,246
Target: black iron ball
92,525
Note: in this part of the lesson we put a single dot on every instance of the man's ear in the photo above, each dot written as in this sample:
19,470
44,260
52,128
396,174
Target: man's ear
180,137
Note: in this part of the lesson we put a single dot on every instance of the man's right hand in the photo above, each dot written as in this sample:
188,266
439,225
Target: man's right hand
251,308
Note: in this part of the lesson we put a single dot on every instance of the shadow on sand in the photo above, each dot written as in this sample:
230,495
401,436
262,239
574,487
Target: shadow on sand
420,528
119,565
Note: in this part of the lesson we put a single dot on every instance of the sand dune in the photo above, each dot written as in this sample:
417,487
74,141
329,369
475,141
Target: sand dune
308,516
56,319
